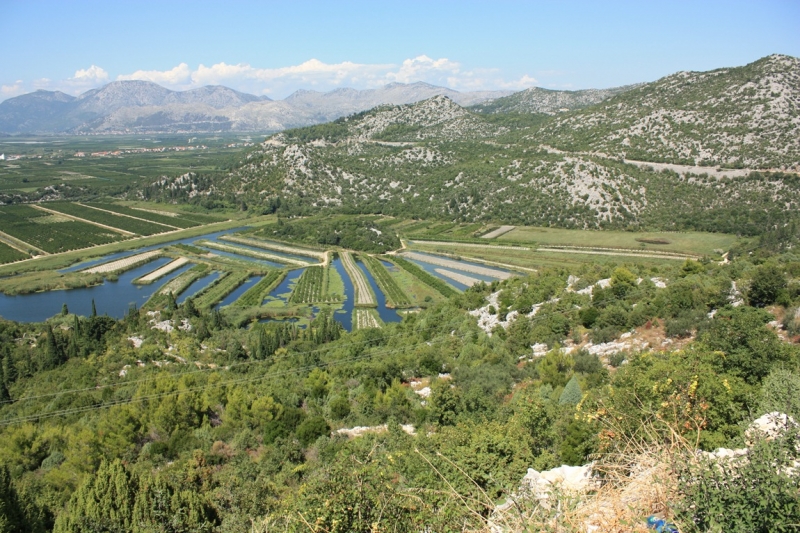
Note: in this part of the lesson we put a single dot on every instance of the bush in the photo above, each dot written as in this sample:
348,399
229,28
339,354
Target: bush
311,429
753,493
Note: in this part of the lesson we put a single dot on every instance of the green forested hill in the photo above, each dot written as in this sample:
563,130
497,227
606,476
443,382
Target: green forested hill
219,428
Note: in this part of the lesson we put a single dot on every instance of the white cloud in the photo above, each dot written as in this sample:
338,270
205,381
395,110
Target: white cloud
15,89
180,75
93,74
422,67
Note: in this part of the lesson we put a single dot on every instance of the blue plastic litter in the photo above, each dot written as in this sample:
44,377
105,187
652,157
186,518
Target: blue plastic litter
660,525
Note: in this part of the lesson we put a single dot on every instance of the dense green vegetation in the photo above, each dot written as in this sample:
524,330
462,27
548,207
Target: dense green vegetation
367,234
181,220
242,429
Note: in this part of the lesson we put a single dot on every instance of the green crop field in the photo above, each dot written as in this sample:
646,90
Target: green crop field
256,294
102,217
394,294
171,222
9,254
443,288
51,233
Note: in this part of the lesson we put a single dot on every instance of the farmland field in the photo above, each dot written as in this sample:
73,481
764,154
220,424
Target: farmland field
432,281
218,290
691,242
128,224
51,234
258,292
394,294
9,254
169,222
312,287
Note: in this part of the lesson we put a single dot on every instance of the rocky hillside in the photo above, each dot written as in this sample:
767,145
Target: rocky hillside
548,102
437,159
732,117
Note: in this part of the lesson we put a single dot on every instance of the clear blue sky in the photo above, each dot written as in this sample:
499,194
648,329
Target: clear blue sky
275,48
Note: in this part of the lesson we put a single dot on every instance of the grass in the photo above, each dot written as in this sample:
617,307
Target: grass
440,286
49,281
537,259
421,295
690,242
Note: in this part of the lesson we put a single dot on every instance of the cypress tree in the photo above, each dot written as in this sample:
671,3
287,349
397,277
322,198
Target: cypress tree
4,396
572,393
12,518
94,309
64,310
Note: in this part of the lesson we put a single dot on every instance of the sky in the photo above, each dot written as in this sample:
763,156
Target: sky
275,48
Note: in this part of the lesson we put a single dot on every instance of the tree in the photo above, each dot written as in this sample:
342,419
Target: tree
64,310
572,393
766,286
94,309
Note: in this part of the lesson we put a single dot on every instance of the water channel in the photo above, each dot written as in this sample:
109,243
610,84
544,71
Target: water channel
114,298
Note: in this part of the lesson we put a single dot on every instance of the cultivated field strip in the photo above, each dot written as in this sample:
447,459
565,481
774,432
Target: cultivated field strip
19,245
108,219
163,271
395,297
181,282
126,263
312,287
9,254
458,265
419,242
499,231
135,216
252,253
42,230
276,247
219,289
364,295
86,221
455,276
256,294
366,318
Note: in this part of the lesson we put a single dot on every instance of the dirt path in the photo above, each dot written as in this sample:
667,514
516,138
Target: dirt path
164,270
277,247
594,251
18,244
129,216
79,219
124,263
252,253
499,231
363,293
459,265
455,276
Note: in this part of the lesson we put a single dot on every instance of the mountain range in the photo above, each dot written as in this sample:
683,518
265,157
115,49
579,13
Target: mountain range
145,107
